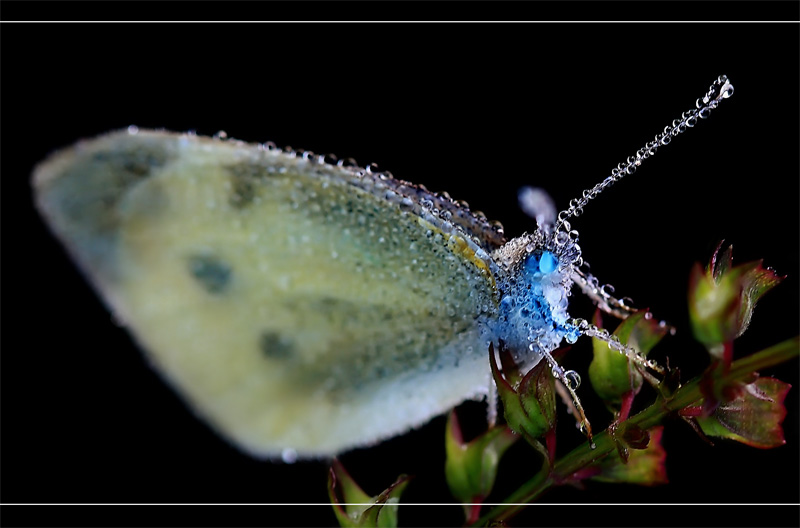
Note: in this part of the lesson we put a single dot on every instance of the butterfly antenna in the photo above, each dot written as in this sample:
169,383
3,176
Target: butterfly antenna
720,89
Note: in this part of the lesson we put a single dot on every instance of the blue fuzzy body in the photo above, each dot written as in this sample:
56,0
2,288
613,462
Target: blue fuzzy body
533,316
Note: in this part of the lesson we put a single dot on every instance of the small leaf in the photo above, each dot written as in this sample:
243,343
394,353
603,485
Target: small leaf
645,333
354,508
635,437
754,417
538,396
628,436
384,513
512,407
756,282
471,468
644,467
670,383
612,375
720,264
529,408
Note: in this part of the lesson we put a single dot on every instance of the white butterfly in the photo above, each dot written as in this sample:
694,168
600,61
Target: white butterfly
289,299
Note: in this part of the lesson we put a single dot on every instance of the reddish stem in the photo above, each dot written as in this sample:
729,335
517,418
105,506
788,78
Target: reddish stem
474,511
693,411
625,406
727,356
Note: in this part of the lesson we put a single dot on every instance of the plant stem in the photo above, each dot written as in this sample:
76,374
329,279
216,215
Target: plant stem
583,455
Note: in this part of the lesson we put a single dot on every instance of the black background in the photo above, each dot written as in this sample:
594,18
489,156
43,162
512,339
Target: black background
477,110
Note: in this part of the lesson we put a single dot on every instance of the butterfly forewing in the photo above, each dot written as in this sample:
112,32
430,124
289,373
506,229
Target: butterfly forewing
288,300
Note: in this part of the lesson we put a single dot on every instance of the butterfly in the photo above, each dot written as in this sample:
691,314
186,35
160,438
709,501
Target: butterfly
305,306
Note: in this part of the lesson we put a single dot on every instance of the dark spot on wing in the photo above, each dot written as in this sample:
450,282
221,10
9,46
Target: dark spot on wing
83,197
275,346
370,342
90,188
136,161
211,272
244,179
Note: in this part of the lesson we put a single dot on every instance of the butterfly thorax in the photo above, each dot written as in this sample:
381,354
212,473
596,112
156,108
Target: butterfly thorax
534,287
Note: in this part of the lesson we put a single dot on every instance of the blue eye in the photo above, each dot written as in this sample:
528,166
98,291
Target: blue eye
548,262
532,263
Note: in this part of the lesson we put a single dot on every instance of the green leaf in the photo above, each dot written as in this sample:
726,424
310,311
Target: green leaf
355,508
471,468
756,282
538,397
512,407
754,417
644,466
530,408
384,513
611,374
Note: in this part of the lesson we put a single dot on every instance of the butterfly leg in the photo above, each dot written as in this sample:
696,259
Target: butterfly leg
583,327
569,380
491,401
601,295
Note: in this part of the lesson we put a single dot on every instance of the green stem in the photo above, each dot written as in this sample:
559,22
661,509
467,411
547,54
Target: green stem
583,455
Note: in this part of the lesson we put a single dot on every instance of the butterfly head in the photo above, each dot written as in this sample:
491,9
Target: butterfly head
535,290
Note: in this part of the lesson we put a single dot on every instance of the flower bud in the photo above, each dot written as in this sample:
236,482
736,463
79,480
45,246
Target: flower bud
471,467
353,507
722,298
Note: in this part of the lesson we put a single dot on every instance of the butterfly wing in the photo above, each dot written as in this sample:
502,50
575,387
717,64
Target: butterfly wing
294,304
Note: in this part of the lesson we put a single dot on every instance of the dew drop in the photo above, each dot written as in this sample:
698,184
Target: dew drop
289,455
728,92
626,301
573,379
607,289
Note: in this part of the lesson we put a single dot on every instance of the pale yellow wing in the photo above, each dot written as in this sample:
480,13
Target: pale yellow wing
294,304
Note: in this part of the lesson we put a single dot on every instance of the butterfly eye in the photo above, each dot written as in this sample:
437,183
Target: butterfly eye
544,262
532,263
548,262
